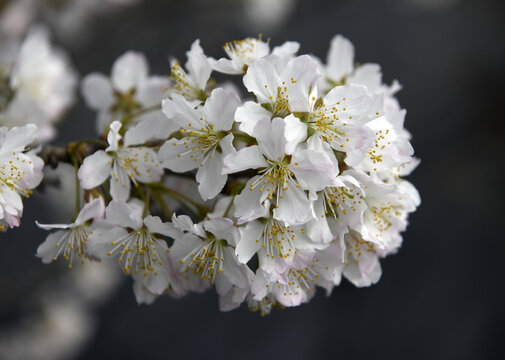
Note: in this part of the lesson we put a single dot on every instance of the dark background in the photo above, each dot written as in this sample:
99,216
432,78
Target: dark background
442,296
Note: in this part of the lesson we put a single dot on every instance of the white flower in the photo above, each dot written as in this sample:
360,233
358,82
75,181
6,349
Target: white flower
128,89
340,70
337,209
43,76
205,139
282,91
284,173
20,171
122,163
297,284
207,250
387,210
359,260
193,83
339,119
275,243
242,53
137,245
71,240
389,148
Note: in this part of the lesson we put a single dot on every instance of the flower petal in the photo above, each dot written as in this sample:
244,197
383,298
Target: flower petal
129,71
94,170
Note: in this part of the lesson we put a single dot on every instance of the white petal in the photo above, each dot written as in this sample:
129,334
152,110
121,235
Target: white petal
247,158
151,91
220,108
97,91
113,136
48,250
129,71
120,213
198,65
178,155
249,244
295,132
94,170
119,183
248,204
209,177
222,228
248,116
300,75
313,170
262,80
100,240
340,60
156,226
17,138
293,207
95,209
226,66
154,127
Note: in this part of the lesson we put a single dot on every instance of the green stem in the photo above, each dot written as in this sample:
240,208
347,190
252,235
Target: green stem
147,200
77,189
163,205
228,208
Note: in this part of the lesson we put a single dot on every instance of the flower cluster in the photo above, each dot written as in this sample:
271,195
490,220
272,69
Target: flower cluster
296,185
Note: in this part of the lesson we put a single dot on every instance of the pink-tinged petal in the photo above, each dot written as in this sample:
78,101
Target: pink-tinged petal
178,155
220,108
247,158
313,170
262,80
95,209
48,250
248,116
299,76
222,228
295,132
129,71
293,206
97,91
94,170
198,65
340,60
249,244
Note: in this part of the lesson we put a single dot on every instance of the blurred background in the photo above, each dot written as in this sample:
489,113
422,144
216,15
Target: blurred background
441,297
